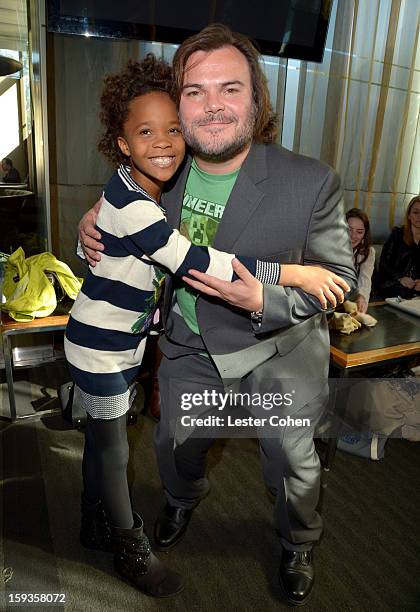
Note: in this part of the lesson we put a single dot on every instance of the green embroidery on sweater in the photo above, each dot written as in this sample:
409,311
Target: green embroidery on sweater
146,318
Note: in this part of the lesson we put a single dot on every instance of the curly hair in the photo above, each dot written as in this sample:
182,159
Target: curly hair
137,79
217,36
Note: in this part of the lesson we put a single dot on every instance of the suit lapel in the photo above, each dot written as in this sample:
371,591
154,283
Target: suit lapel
244,199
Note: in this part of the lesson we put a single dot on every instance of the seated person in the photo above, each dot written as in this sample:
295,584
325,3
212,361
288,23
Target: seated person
363,253
399,267
11,175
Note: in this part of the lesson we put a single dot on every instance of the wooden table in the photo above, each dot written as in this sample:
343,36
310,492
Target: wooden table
13,185
9,328
396,339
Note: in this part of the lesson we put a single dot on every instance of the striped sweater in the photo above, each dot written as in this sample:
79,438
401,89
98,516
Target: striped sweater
103,353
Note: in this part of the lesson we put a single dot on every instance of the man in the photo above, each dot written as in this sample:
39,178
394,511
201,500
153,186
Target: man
242,193
11,175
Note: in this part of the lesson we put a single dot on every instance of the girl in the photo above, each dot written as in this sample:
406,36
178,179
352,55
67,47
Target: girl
364,255
103,352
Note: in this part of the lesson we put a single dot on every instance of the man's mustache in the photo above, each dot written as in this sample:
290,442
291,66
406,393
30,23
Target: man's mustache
216,119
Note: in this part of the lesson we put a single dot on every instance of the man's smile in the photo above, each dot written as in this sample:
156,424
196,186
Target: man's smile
216,124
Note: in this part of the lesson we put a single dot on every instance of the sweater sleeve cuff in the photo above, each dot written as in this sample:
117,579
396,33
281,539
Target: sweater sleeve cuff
268,273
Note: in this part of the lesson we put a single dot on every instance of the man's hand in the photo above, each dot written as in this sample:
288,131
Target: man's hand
408,282
89,236
246,293
417,284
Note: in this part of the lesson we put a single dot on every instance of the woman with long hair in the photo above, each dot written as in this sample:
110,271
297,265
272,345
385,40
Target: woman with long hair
364,255
399,267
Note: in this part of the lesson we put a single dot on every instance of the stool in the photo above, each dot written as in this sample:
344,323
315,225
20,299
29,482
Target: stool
9,328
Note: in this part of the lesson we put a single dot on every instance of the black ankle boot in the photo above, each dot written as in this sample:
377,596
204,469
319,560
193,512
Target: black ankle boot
135,562
95,532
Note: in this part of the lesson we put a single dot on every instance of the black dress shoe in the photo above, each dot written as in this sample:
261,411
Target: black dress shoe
296,576
171,525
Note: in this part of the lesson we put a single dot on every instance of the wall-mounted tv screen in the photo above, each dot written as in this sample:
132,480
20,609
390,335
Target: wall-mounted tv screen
285,28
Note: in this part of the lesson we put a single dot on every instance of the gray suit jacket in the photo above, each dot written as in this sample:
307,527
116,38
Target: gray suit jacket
284,207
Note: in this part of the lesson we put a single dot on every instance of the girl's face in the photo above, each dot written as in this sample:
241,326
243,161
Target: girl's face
152,139
414,216
357,231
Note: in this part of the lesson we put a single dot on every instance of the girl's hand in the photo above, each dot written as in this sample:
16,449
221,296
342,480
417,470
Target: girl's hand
320,282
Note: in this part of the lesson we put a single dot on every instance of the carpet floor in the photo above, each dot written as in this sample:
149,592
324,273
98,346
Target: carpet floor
368,558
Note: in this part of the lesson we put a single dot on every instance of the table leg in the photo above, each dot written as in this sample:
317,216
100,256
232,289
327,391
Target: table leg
330,453
331,449
8,364
333,440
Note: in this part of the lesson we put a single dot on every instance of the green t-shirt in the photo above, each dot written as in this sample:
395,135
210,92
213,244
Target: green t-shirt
204,202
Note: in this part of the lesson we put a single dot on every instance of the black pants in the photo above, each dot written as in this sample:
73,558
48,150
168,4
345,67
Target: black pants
104,467
290,463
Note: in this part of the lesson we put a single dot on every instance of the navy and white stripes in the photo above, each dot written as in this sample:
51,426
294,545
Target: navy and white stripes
267,273
102,352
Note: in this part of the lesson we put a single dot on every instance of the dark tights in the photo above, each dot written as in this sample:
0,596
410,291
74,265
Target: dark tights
104,468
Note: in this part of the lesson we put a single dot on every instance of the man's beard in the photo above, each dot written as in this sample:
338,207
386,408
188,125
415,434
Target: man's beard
215,149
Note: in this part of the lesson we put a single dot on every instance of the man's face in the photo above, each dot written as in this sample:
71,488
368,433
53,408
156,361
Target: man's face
4,166
216,108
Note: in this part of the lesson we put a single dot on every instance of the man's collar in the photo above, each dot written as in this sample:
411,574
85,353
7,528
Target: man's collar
255,163
252,172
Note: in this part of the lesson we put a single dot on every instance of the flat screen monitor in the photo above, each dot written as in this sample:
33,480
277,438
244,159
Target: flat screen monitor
284,28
